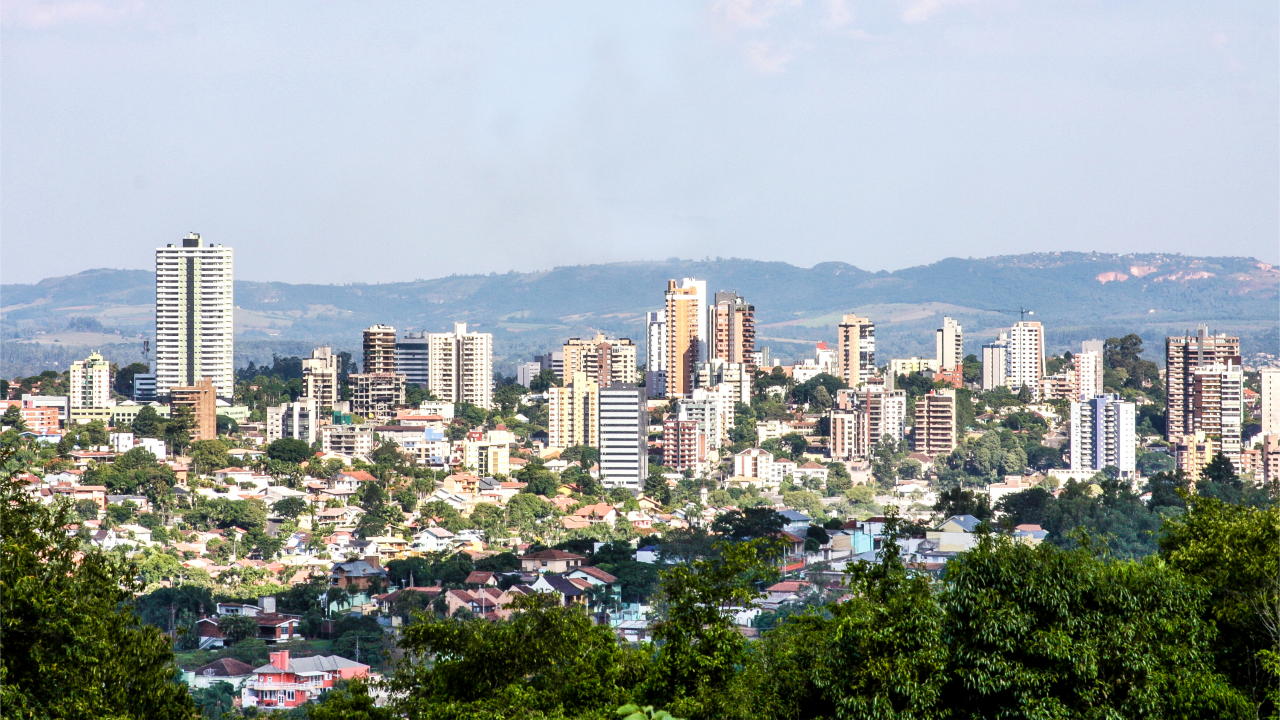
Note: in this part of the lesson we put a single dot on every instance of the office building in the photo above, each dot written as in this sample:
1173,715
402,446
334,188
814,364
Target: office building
413,357
573,413
731,331
89,382
1182,356
379,350
1024,359
202,400
527,372
144,388
604,361
1217,394
320,377
376,395
624,446
686,329
856,353
461,367
1103,434
1089,370
949,344
995,358
935,429
299,420
195,314
1270,401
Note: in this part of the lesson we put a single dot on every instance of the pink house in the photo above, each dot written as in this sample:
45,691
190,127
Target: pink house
288,683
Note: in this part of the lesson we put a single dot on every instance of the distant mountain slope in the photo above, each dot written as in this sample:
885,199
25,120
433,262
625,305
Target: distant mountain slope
1077,295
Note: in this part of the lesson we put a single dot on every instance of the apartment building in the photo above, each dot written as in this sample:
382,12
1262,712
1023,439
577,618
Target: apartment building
731,333
413,357
935,430
605,361
1217,405
1089,370
1182,356
1103,433
906,366
487,456
320,377
461,366
202,400
1024,359
655,379
1270,401
949,344
684,446
624,448
573,413
377,394
299,420
349,440
89,382
379,350
1193,452
737,378
862,418
995,359
686,330
856,350
527,372
713,410
195,313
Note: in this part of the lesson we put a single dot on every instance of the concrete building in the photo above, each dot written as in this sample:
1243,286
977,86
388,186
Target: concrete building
655,377
573,413
1089,369
624,447
461,367
862,418
526,372
995,358
202,400
718,372
413,357
1270,401
684,446
949,344
713,412
553,361
298,420
1193,452
1270,458
379,350
89,382
935,428
349,440
731,330
604,361
320,377
1217,405
1182,356
1103,433
377,394
753,463
1024,361
686,330
195,313
144,388
856,354
487,457
906,366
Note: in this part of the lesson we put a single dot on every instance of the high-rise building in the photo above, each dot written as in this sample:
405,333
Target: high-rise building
624,447
1103,433
1182,356
1024,359
995,359
686,333
413,357
299,420
935,428
202,400
684,446
731,330
1270,401
376,395
320,377
526,372
713,410
1089,370
461,366
1217,394
655,376
949,343
864,417
379,350
856,356
553,361
603,360
195,313
89,382
736,376
573,413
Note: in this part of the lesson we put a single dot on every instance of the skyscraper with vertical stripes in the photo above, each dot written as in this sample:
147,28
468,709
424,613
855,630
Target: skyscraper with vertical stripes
195,316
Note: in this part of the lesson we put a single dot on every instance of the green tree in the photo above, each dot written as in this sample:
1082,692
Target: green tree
209,455
178,430
545,379
148,423
235,628
13,418
756,522
962,502
290,450
124,377
290,507
348,701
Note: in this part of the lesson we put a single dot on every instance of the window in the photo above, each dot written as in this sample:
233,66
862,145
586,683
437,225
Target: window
288,695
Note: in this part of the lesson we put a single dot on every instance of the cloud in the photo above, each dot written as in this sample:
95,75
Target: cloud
922,10
764,59
39,15
750,13
838,13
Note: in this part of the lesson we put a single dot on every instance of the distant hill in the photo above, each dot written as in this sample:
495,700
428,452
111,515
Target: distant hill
1076,295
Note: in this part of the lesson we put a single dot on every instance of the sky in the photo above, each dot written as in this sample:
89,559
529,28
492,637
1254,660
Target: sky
337,142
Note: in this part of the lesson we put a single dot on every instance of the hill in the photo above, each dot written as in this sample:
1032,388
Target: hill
1076,295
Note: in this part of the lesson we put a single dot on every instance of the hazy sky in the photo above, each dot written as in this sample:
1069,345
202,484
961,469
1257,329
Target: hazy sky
338,142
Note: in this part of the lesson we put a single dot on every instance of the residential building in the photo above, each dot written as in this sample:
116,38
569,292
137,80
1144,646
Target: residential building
348,440
144,388
1270,401
655,381
731,330
413,358
949,344
1182,356
379,350
487,456
553,361
428,445
604,361
195,308
684,445
89,382
995,359
1103,433
289,682
623,422
1089,369
1062,385
736,376
202,400
713,413
753,463
899,366
825,358
320,377
573,413
1217,393
550,561
856,356
461,366
1270,458
298,420
935,428
1024,360
1193,452
862,418
376,394
526,372
686,325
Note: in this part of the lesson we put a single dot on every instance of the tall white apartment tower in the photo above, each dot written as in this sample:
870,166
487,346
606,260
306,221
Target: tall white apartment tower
949,342
1271,401
1089,370
1024,360
624,448
1103,432
89,382
655,382
460,368
195,313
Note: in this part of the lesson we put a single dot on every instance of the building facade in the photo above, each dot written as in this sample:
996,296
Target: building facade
686,332
935,428
949,344
731,330
1270,378
624,447
1024,359
89,382
299,420
604,361
320,377
461,366
413,357
856,350
202,400
995,358
1103,433
1217,405
573,413
195,313
655,381
377,394
1182,356
1089,370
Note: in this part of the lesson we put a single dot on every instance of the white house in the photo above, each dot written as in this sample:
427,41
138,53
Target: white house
432,539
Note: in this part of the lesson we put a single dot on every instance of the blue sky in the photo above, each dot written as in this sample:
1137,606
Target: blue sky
340,142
